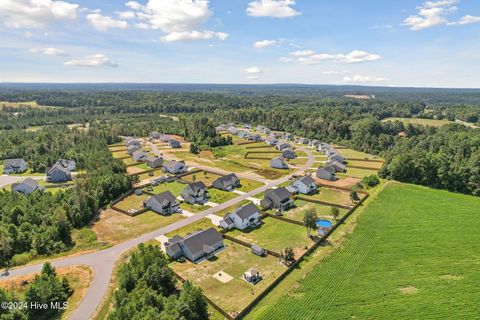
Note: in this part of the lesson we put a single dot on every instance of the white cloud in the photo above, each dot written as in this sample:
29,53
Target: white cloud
272,8
96,60
265,44
468,19
126,15
193,35
179,19
51,52
253,78
103,23
253,70
310,57
363,79
334,72
431,14
35,13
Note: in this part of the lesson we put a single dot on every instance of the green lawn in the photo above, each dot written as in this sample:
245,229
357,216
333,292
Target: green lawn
356,173
412,255
193,208
120,154
132,202
174,187
236,294
143,166
365,164
275,235
322,211
349,153
219,196
206,177
249,185
330,195
199,225
417,121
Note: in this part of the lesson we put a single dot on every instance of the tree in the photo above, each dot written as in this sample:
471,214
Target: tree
194,148
370,181
288,255
335,212
310,218
191,304
5,250
194,178
354,196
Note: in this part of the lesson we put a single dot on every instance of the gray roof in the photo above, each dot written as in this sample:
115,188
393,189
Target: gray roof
65,163
31,183
197,241
307,180
59,167
165,198
172,163
257,248
12,162
246,211
227,180
278,194
196,187
329,169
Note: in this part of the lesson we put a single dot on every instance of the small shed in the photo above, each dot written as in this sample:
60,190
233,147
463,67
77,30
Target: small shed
259,251
252,276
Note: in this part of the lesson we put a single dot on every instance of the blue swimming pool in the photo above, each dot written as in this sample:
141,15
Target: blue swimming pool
324,223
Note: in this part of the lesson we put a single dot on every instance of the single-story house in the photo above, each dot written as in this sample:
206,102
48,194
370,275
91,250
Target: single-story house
173,143
233,130
323,147
271,140
252,276
243,134
131,149
57,173
227,183
27,186
278,163
68,164
133,142
288,154
283,145
305,185
139,155
154,162
267,131
326,173
244,217
14,166
175,167
255,137
164,203
259,251
195,246
277,199
195,193
339,167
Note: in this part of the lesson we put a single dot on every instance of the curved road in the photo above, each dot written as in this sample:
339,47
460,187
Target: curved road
102,262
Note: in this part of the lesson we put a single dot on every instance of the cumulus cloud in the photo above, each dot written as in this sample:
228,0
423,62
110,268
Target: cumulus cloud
51,52
193,35
253,70
272,8
103,23
310,57
35,13
265,44
468,19
96,60
179,19
357,78
126,15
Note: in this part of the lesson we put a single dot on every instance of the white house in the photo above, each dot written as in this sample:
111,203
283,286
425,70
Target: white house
244,217
305,185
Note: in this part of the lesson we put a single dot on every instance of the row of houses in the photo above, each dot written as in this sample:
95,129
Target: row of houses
335,162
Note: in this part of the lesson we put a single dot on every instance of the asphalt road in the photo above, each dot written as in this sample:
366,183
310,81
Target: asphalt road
6,180
102,262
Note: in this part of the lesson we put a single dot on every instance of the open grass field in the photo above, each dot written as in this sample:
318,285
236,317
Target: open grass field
206,177
193,208
174,187
220,196
275,235
417,121
249,185
236,294
365,164
79,278
146,176
114,227
413,255
330,195
301,207
120,154
26,104
132,202
356,173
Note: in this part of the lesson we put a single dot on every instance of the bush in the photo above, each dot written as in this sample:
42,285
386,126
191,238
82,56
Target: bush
370,181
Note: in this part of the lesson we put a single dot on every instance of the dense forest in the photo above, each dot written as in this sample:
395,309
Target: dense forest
41,223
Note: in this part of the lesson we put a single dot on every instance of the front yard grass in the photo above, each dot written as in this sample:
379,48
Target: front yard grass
235,295
193,208
275,235
220,196
196,226
247,185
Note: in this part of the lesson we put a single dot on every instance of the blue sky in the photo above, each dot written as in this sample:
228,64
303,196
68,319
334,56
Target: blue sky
392,43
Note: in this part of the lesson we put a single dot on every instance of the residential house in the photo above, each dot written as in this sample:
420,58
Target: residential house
58,173
255,137
175,167
260,128
155,135
196,246
336,157
288,154
133,142
247,216
221,128
165,137
323,147
227,183
288,136
277,199
314,143
131,149
243,134
71,165
305,185
326,173
283,145
339,167
14,166
271,140
303,141
278,163
252,276
195,193
267,131
173,143
154,162
233,130
164,203
27,186
139,156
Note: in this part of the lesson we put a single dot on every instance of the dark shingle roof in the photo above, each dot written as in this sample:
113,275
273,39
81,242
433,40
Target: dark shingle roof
12,162
307,180
278,194
196,186
196,242
329,169
31,183
227,180
246,211
165,198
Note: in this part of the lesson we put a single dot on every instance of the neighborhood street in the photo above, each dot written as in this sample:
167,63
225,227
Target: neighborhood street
102,262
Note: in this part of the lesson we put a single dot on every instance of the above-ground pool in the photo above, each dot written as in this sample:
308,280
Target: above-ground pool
324,223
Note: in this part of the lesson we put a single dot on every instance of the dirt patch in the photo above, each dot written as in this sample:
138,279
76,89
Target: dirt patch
132,170
348,182
451,277
109,218
269,174
206,154
223,277
409,290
